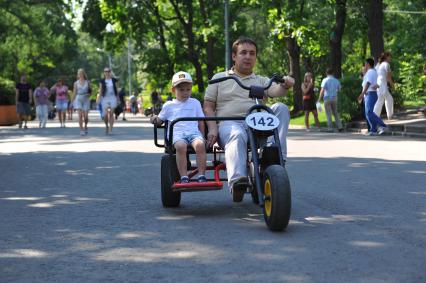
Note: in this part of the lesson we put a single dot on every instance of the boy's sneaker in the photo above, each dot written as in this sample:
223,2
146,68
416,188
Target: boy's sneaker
202,179
382,130
184,180
371,133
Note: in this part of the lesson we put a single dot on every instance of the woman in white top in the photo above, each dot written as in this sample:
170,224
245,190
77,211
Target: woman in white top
108,97
81,91
384,80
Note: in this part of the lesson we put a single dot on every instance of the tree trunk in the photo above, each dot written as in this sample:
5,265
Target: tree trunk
374,15
336,38
293,51
193,54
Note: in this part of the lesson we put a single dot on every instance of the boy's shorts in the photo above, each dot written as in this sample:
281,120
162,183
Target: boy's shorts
187,138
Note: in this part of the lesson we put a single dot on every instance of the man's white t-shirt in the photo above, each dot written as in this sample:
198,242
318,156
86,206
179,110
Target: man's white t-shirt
382,70
177,109
370,77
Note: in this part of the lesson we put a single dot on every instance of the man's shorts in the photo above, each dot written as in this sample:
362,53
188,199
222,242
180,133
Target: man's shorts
187,138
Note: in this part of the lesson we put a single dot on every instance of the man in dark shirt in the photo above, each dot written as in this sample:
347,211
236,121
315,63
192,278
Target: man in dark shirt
24,95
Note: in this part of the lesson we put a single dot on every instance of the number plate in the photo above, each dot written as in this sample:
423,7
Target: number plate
262,121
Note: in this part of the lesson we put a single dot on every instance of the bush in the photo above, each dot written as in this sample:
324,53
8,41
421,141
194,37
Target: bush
7,92
348,106
412,83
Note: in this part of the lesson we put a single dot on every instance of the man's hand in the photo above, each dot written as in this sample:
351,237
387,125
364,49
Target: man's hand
288,82
211,138
360,97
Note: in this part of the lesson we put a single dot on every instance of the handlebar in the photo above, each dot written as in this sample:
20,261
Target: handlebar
274,78
254,91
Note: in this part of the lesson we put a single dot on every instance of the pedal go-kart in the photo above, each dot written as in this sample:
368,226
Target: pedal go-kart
268,179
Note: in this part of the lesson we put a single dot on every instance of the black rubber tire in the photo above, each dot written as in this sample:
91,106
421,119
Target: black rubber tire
277,214
169,175
254,195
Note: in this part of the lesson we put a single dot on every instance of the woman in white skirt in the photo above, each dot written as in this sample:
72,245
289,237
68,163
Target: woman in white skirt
384,79
82,91
108,97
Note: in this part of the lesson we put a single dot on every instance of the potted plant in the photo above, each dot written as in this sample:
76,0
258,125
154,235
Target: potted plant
8,114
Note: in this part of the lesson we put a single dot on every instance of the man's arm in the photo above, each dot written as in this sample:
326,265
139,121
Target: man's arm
281,89
210,111
321,94
30,92
364,90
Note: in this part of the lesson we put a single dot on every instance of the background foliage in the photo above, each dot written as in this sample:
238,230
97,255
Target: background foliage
44,40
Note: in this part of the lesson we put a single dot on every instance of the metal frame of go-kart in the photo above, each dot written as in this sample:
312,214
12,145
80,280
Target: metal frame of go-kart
274,153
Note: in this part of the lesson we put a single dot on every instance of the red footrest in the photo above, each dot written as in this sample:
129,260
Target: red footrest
196,186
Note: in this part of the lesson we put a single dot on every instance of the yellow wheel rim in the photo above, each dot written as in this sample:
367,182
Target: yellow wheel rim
268,198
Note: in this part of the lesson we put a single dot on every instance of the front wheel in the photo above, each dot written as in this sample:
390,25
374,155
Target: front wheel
169,175
277,191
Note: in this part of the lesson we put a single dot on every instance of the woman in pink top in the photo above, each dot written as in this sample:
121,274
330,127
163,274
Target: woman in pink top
61,92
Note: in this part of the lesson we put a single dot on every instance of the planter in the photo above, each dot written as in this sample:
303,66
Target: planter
8,115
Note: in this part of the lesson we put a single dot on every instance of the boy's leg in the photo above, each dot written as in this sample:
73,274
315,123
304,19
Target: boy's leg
200,150
181,161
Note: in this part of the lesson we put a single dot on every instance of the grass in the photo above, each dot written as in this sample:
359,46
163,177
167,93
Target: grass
300,120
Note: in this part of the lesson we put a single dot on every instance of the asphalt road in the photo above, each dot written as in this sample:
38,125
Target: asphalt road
88,209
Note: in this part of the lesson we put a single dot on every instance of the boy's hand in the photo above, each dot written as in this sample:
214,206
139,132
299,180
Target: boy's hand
155,120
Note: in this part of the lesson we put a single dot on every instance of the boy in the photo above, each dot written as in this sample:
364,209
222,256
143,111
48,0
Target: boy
185,132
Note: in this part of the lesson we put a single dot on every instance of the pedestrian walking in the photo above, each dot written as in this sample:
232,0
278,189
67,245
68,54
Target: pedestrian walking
108,98
309,100
24,96
384,80
369,94
121,96
82,91
61,92
41,101
330,87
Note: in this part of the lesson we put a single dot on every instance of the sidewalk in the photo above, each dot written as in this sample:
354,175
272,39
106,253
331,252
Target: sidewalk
411,123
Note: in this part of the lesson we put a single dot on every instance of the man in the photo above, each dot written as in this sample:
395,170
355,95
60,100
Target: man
24,96
330,86
369,94
227,99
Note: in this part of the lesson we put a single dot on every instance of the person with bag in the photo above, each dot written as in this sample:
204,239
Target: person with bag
108,98
330,87
81,94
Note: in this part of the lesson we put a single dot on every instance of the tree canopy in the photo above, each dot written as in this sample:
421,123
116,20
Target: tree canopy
40,38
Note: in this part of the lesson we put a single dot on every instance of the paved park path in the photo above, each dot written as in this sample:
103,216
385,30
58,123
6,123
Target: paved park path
88,209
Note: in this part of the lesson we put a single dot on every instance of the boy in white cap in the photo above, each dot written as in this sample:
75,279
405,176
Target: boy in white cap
185,132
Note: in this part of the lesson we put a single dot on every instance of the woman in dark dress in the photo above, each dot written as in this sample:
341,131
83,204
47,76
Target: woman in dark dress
309,100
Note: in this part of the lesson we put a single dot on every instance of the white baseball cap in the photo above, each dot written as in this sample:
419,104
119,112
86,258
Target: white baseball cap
181,77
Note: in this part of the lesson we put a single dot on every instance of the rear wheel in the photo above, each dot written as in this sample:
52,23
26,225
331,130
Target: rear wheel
277,206
169,175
